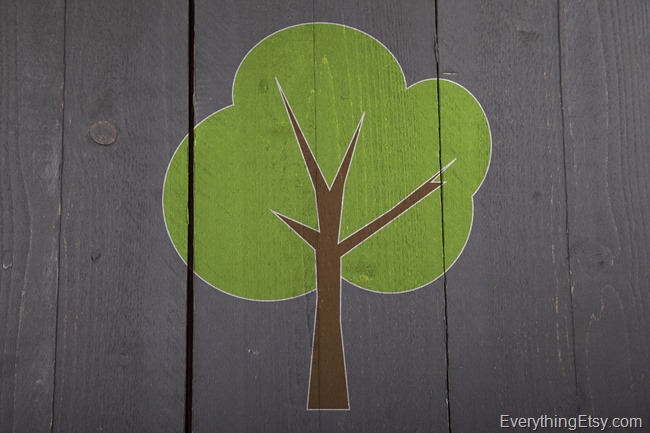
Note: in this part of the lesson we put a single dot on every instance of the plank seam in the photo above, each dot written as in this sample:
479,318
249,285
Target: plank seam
60,247
189,300
442,216
566,201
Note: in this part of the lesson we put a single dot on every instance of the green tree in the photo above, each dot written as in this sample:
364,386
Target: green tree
327,166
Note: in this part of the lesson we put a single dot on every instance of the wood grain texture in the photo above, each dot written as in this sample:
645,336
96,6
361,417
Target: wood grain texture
395,344
547,305
251,358
509,310
31,84
605,62
120,362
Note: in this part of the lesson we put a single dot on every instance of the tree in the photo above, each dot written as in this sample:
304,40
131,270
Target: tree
327,166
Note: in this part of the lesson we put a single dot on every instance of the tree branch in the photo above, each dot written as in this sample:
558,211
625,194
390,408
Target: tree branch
344,168
306,233
424,190
317,178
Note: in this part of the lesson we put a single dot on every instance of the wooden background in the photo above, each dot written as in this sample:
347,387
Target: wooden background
547,309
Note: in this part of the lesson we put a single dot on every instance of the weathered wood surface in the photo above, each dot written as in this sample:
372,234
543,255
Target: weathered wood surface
547,305
120,362
510,329
606,93
31,106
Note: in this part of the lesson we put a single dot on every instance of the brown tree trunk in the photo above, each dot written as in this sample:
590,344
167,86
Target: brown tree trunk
328,382
328,387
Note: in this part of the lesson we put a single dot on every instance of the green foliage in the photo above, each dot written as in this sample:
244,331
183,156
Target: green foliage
247,163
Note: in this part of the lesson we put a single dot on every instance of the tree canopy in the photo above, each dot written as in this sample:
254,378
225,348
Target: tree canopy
247,166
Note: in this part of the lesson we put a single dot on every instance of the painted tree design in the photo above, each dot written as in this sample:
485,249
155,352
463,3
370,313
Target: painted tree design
325,137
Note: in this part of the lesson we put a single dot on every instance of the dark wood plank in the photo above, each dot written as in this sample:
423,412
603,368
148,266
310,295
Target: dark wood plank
510,330
397,361
120,363
605,61
31,84
251,358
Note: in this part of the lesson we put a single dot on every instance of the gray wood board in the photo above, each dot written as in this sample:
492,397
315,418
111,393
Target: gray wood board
399,359
120,362
605,61
509,303
548,303
251,369
31,81
249,357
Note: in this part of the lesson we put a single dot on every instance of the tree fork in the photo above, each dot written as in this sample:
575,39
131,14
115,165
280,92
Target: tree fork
328,388
328,378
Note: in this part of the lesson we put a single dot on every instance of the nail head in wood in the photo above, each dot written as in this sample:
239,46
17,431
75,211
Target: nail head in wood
103,132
